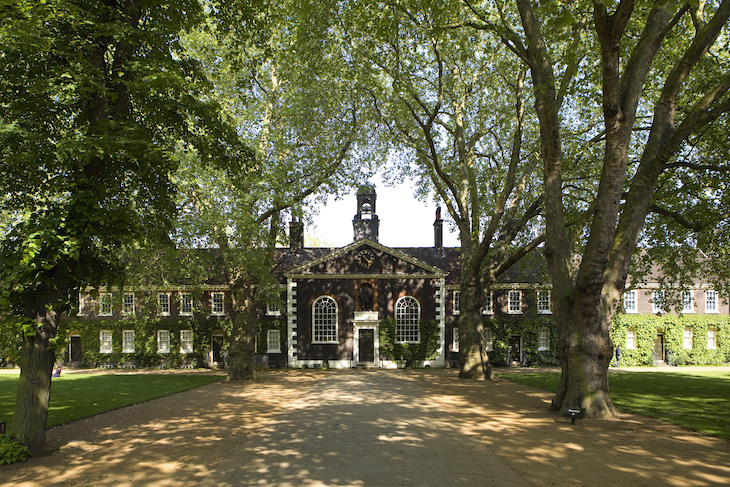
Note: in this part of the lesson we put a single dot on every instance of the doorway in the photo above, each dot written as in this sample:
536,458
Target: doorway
217,350
515,348
75,352
659,347
366,345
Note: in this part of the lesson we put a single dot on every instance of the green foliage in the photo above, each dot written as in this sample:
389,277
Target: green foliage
145,338
693,399
672,327
528,327
11,341
12,451
409,353
261,335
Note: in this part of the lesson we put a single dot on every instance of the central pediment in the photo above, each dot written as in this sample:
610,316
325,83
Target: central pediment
365,258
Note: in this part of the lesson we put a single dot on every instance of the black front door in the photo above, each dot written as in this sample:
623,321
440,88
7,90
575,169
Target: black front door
76,352
217,348
366,350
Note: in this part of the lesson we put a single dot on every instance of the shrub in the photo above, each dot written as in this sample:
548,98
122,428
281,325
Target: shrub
11,450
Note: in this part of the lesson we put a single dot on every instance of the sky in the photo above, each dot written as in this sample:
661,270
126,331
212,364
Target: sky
404,221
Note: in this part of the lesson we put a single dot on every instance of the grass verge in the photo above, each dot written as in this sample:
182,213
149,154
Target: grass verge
76,396
698,400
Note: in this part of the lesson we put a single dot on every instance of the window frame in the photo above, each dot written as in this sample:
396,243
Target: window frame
455,339
106,300
489,304
321,331
128,308
186,340
161,305
404,330
128,341
543,339
631,301
272,310
489,339
688,338
456,302
185,300
688,305
656,297
543,302
714,309
712,338
106,341
166,341
271,340
215,304
510,301
631,339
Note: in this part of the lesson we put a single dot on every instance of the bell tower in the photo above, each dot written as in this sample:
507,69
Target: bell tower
366,223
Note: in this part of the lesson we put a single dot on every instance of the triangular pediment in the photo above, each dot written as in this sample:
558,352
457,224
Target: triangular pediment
365,258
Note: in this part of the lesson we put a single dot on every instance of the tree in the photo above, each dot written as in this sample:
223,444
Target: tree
454,106
295,99
661,83
95,97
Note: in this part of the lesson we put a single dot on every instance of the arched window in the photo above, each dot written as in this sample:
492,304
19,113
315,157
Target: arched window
324,320
407,316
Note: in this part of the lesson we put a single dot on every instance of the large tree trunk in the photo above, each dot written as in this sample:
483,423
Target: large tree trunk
585,354
242,351
473,351
34,387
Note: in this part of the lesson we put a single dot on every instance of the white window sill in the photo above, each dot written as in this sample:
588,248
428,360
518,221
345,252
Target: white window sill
271,350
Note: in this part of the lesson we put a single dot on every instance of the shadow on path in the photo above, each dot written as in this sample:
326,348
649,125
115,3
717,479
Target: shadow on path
352,428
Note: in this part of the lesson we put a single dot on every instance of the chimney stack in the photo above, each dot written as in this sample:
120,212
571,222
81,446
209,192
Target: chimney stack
296,235
438,233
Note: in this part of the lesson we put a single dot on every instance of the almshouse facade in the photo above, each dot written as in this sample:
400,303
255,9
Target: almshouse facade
367,304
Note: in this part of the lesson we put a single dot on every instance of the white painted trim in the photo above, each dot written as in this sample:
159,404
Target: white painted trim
291,322
365,324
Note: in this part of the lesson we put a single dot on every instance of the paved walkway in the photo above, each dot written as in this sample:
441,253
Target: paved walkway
363,428
296,428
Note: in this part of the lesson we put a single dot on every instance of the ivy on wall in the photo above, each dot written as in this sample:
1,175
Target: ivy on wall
409,353
528,327
145,341
261,335
673,326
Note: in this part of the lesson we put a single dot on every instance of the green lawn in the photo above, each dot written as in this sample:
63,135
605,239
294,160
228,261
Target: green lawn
75,396
699,400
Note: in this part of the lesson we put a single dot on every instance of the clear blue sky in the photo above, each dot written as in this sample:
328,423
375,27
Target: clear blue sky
404,221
